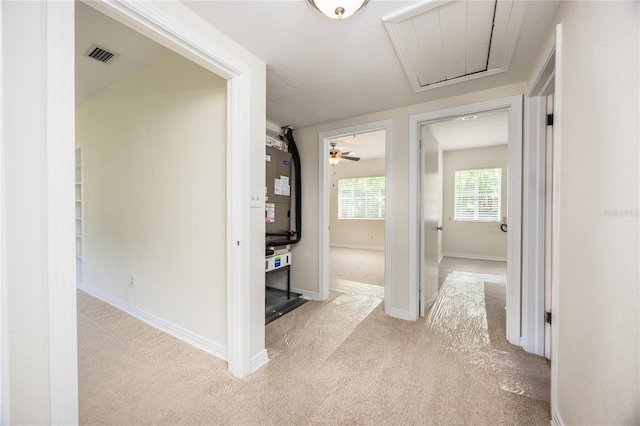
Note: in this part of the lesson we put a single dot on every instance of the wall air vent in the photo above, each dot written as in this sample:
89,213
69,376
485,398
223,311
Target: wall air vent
100,54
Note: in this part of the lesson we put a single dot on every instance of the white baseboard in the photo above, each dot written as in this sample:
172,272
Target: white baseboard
440,259
355,247
176,331
475,256
400,314
556,419
258,360
305,293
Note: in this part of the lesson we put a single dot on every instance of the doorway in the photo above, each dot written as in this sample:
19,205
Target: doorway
347,137
417,284
357,213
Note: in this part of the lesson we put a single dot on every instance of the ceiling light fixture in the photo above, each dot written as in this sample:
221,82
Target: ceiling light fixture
469,117
338,9
334,160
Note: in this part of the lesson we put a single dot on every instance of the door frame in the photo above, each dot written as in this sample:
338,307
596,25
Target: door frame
535,244
514,200
323,191
150,21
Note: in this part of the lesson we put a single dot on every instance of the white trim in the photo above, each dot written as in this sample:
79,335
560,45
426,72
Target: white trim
555,223
258,360
500,54
4,332
475,256
174,330
149,20
399,314
556,419
356,247
60,163
533,225
514,105
544,73
323,193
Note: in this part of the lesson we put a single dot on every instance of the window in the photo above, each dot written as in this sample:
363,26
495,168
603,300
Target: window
361,198
477,194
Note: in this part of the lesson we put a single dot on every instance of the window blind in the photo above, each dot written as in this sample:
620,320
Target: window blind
477,194
361,198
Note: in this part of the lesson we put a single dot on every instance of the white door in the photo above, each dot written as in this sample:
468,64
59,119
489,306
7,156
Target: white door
548,228
431,190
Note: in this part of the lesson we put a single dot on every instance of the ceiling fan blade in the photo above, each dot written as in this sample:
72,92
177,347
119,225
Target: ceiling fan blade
349,153
348,157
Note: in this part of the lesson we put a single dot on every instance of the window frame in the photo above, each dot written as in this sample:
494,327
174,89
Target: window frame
476,194
383,197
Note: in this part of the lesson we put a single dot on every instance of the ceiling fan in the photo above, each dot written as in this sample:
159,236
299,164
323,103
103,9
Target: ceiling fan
335,155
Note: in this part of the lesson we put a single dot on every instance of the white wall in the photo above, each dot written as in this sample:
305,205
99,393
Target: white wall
29,310
154,176
307,251
25,338
597,320
473,239
356,233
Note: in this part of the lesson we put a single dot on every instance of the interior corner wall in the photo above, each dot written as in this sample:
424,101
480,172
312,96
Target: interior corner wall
307,252
354,233
597,318
154,194
473,239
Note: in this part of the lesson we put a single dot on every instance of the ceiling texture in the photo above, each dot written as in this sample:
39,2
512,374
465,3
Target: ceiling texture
321,70
389,54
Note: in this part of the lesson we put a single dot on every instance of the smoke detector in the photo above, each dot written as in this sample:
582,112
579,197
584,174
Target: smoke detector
101,54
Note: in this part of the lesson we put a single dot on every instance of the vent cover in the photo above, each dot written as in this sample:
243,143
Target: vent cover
100,54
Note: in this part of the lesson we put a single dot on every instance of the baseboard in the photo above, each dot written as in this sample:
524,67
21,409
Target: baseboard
398,313
556,419
258,360
310,295
440,259
475,256
176,331
355,247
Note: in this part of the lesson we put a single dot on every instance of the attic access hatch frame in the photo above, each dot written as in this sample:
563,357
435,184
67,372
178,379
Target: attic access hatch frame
415,45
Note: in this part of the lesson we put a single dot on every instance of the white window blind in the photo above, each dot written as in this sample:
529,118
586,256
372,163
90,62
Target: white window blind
361,198
477,194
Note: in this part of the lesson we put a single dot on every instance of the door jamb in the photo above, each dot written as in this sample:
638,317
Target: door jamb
323,191
514,106
534,186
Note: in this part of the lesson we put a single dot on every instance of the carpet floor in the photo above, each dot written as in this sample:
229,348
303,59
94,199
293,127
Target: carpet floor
340,361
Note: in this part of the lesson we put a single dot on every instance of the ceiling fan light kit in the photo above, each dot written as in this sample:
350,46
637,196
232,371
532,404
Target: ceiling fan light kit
338,9
335,155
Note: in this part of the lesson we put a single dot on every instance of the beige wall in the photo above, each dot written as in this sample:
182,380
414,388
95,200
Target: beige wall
154,175
356,233
473,239
598,293
306,252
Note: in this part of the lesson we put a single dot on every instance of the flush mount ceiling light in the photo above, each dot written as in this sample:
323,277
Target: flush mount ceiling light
338,9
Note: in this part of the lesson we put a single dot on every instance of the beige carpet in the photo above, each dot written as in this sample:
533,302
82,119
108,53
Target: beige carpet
363,266
336,362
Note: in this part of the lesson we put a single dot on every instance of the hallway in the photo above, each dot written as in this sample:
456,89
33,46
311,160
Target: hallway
341,361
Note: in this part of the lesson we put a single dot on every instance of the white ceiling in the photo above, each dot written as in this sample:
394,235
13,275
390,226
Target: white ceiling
486,129
318,69
94,27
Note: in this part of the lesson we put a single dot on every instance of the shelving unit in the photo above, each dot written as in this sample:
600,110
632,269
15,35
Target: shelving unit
79,217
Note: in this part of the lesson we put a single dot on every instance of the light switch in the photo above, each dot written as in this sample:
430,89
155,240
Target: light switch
256,199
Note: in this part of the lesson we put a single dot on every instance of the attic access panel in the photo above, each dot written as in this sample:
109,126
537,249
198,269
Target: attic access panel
441,42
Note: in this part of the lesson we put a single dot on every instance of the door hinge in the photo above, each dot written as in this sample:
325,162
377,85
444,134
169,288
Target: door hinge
420,143
549,119
547,317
